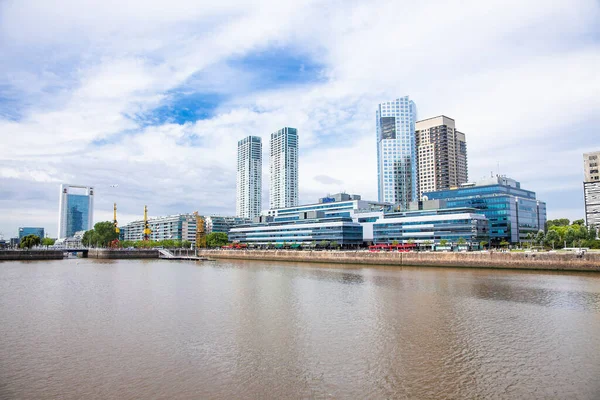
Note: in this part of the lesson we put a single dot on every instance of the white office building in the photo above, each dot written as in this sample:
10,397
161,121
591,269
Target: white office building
75,210
591,188
248,201
396,151
283,191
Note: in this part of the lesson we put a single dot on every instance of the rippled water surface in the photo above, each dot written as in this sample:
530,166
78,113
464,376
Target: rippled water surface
156,329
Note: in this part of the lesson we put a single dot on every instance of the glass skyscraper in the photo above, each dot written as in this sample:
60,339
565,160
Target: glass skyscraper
249,177
396,151
283,191
76,210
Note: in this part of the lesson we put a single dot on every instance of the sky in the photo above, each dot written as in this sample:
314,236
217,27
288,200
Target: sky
153,95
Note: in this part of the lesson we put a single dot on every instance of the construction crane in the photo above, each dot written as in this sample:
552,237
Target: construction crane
147,230
115,219
200,233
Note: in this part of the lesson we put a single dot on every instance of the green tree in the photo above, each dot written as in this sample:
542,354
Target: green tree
29,241
461,241
217,239
578,222
335,244
557,222
443,242
428,243
48,241
483,243
88,238
104,233
324,243
186,244
395,243
504,243
552,238
539,238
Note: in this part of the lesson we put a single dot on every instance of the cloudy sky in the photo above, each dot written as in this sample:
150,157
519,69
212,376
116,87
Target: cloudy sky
153,95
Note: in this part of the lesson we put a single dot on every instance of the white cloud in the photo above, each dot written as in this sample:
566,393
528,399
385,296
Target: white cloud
520,78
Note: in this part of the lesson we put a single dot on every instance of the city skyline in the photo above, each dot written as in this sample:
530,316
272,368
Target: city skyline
149,111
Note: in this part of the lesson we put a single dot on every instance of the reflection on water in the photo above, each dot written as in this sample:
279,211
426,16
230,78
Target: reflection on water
160,329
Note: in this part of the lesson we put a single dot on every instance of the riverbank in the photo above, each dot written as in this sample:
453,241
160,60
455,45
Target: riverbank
25,255
122,254
497,260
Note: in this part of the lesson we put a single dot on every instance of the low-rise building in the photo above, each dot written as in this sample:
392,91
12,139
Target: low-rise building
219,223
591,188
173,227
431,226
24,231
312,229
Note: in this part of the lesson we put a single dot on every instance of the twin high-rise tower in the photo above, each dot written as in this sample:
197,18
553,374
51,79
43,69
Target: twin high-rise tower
283,189
413,156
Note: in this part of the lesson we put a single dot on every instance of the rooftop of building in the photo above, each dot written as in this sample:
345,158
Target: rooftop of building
428,212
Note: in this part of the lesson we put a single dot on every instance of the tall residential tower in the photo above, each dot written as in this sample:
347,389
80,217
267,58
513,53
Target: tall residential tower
591,188
76,210
441,154
284,168
396,151
248,201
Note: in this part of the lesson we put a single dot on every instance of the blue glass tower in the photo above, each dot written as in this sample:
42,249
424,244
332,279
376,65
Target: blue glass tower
76,210
396,151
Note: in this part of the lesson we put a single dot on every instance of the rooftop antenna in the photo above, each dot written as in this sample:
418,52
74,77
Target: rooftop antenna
498,167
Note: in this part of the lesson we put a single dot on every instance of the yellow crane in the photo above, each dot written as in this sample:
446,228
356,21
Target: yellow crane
200,233
115,219
147,230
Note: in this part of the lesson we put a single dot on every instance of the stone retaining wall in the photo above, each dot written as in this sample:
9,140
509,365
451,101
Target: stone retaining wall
539,261
23,255
122,254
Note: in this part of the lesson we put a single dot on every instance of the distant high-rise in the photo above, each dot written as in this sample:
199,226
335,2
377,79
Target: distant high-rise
76,210
591,188
284,168
441,154
248,202
396,151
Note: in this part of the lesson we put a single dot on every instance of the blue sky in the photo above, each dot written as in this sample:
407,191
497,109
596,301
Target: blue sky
153,95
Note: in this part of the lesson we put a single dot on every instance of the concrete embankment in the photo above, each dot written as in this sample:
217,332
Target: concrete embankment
24,255
122,254
532,261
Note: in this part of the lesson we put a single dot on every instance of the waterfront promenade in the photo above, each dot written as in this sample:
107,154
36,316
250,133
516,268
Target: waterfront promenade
500,260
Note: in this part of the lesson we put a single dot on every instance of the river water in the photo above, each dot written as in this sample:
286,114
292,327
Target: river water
157,329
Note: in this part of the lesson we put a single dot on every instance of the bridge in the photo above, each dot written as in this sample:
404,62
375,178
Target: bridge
168,255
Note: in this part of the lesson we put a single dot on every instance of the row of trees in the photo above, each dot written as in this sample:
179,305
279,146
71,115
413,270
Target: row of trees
561,232
148,244
30,241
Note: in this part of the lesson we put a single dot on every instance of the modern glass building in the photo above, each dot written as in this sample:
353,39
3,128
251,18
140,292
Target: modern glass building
76,210
39,232
512,212
218,223
284,168
248,202
396,151
451,224
361,211
305,231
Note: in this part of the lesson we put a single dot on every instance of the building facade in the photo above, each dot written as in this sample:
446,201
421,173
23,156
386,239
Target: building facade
283,190
39,232
512,212
173,227
591,188
396,151
441,154
433,226
341,230
75,210
248,201
218,223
